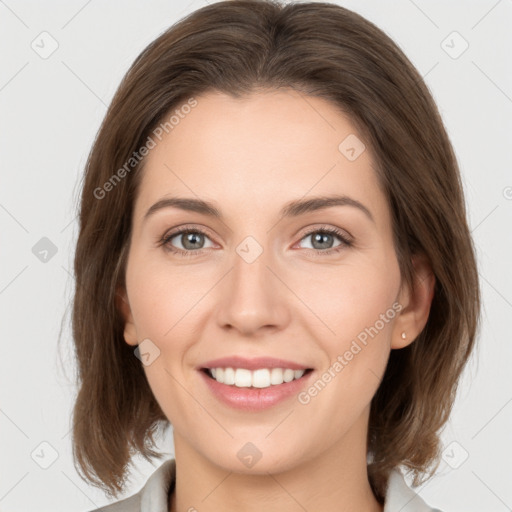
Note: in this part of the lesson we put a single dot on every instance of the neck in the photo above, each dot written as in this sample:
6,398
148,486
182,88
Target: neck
333,481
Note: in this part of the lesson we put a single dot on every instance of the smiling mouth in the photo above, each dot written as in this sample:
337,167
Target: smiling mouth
260,378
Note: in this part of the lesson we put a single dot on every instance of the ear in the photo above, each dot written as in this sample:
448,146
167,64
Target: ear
415,303
130,333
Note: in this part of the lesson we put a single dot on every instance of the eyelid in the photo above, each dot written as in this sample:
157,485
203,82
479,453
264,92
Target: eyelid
325,227
185,228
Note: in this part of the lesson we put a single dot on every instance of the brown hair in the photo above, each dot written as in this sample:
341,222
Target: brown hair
239,47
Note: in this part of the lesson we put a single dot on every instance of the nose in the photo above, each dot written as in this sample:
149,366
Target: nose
253,297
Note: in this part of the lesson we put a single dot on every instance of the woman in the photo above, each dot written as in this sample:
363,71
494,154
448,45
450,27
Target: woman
274,259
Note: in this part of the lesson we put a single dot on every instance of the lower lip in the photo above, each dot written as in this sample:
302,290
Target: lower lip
255,399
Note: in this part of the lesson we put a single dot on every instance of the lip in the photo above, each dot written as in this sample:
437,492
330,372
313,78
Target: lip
253,399
252,364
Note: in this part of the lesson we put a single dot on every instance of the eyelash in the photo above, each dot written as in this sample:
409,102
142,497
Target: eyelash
165,241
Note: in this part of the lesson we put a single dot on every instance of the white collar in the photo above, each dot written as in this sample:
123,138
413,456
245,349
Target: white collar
401,498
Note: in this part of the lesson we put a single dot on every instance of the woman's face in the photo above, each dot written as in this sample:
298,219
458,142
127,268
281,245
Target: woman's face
260,284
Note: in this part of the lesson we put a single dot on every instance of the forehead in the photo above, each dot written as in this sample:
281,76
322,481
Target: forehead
259,151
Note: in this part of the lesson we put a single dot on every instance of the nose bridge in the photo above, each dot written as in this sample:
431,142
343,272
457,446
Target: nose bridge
250,266
251,296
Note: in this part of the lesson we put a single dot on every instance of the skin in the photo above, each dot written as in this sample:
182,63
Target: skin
250,156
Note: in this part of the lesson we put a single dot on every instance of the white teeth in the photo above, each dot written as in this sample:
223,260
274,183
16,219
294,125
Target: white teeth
288,375
229,376
276,376
261,378
243,378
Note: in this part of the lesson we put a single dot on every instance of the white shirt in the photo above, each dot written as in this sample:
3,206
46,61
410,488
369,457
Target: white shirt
154,495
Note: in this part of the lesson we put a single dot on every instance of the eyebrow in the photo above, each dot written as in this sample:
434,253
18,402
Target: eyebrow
291,209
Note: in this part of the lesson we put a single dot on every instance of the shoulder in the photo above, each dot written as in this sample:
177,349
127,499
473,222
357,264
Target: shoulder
153,497
131,504
400,497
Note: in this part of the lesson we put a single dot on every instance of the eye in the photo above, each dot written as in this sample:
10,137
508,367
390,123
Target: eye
322,240
191,240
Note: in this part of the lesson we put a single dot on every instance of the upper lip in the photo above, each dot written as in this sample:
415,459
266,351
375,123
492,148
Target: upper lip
252,364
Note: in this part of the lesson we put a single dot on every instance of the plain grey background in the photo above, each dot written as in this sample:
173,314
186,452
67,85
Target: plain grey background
61,64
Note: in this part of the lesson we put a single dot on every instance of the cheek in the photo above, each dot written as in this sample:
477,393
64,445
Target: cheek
161,295
358,305
351,298
164,300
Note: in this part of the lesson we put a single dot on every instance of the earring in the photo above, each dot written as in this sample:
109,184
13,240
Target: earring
404,335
